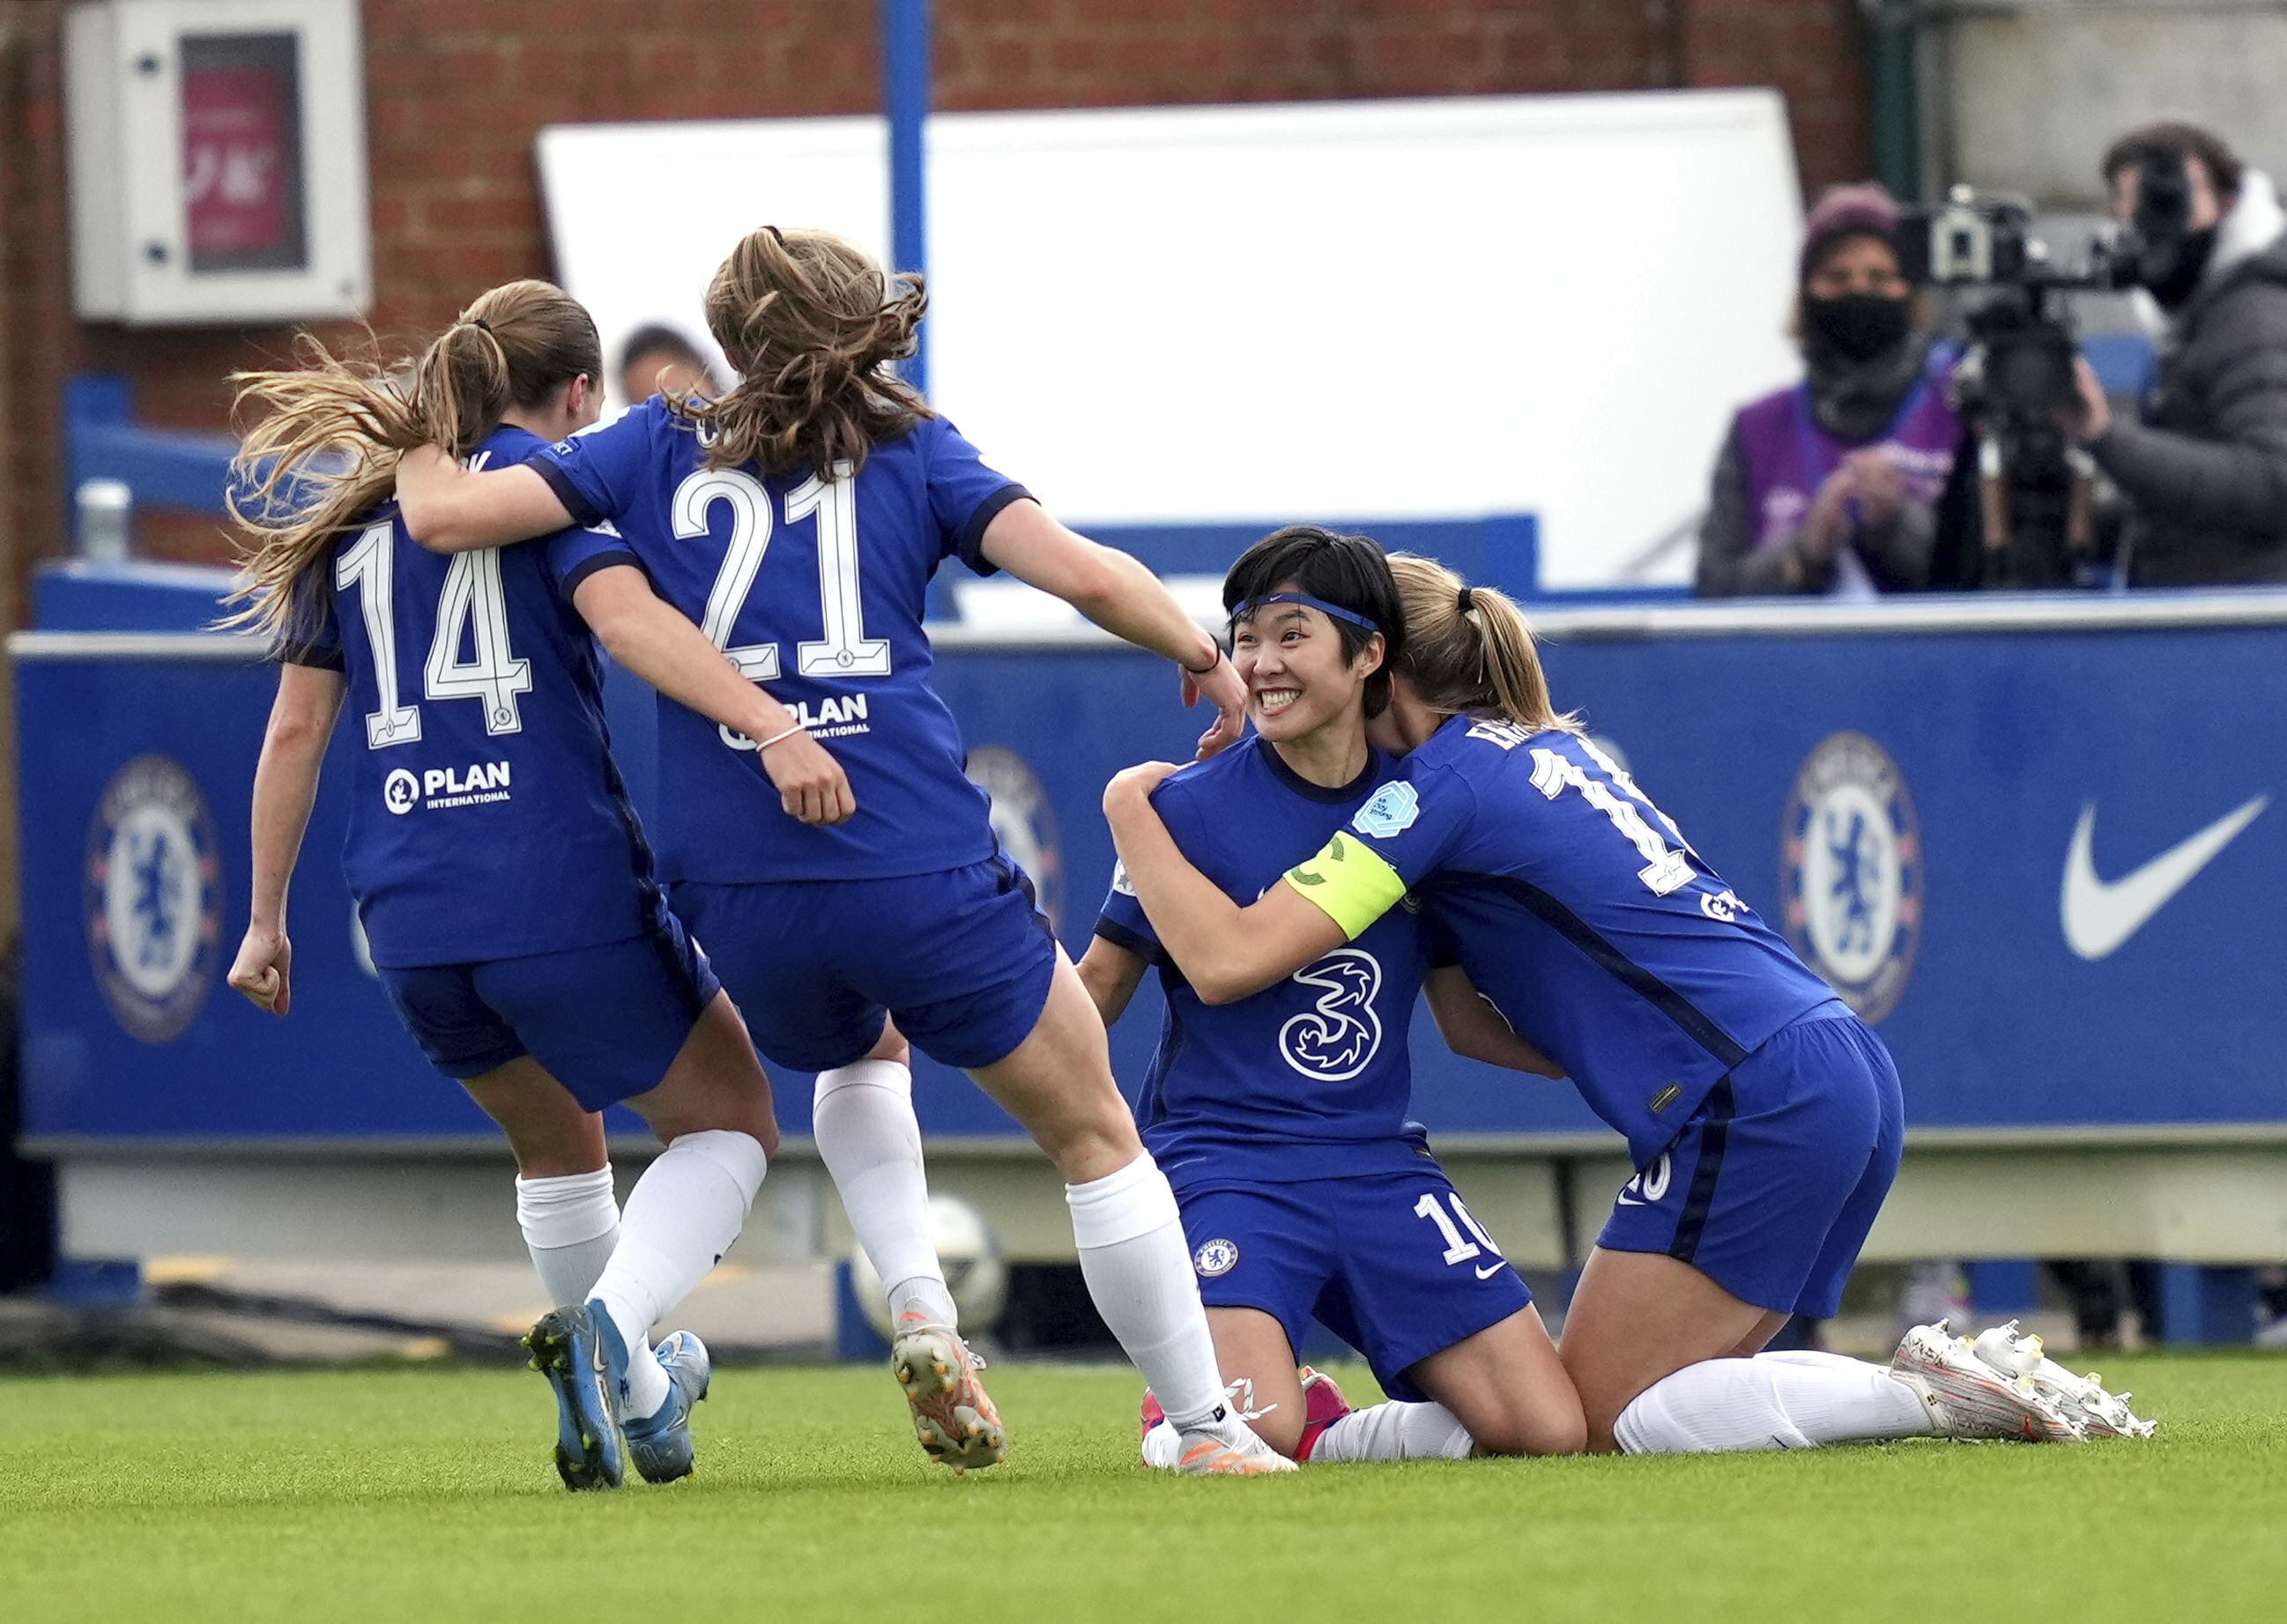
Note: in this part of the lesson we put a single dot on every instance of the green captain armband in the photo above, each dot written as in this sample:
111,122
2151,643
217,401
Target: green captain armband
1352,886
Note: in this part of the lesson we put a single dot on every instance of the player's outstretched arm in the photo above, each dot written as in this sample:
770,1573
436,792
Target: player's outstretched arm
1110,973
653,640
1118,594
285,786
448,509
1473,1027
1225,951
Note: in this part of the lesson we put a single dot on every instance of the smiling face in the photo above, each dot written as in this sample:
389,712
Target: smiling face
1290,656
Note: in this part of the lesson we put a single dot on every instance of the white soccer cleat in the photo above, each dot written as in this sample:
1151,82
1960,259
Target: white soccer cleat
2100,1413
1967,1398
1227,1447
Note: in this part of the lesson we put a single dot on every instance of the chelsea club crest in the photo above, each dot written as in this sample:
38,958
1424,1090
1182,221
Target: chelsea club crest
153,898
1025,822
1850,869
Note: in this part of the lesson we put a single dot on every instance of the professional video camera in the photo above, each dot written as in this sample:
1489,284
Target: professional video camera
2035,510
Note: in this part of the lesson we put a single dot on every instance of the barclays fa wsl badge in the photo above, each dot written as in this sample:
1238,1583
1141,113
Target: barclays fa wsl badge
1025,822
153,898
1850,869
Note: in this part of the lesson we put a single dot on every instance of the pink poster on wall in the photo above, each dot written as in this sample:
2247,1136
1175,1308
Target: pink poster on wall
242,153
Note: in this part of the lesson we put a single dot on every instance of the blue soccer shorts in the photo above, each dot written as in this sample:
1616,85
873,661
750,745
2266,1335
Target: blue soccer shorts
962,959
1771,1187
1391,1263
606,1021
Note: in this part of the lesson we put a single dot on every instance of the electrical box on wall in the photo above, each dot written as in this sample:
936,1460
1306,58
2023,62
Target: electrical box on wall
217,161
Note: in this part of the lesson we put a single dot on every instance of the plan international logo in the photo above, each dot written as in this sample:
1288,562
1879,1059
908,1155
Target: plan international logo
1850,869
153,898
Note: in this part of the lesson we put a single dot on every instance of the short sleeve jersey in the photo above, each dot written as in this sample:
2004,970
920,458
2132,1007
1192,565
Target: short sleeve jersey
1578,908
816,589
486,818
1306,1079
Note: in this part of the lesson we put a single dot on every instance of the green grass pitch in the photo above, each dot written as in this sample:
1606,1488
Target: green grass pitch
425,1494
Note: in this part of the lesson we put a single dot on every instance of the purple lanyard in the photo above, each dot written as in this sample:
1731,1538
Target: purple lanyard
1813,449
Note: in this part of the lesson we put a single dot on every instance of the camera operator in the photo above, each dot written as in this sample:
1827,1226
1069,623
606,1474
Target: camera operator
2205,474
1829,487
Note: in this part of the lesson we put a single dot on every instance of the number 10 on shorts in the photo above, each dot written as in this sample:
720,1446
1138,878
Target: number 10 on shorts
1459,1248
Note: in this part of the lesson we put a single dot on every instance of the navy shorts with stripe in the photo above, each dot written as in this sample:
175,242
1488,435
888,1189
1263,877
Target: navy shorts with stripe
606,1021
1771,1187
961,958
1364,1255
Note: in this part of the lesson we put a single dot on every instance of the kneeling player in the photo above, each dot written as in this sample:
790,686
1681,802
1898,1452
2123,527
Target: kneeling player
1281,1118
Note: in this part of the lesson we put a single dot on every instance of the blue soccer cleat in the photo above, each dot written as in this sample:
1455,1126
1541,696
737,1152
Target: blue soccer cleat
660,1444
568,1348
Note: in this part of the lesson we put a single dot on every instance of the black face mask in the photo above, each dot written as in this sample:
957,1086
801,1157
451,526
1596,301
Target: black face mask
1858,326
2170,267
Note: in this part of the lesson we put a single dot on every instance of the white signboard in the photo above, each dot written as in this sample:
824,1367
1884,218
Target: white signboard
1362,309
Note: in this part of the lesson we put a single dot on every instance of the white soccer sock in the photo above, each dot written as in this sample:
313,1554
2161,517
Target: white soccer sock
681,1217
1774,1401
570,1225
1394,1432
862,1118
1138,1269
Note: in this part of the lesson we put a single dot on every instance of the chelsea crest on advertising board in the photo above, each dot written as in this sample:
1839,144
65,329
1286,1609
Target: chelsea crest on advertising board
1850,869
153,898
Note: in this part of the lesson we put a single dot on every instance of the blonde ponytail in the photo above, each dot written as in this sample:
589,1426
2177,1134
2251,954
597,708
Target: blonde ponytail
1469,649
325,452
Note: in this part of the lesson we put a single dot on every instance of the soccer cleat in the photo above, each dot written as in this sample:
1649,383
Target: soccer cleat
1323,1405
568,1348
659,1446
1226,1448
953,1414
1968,1398
2100,1413
1160,1438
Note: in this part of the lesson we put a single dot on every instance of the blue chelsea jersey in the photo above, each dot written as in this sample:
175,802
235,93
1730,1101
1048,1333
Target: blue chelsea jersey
1308,1078
816,589
1579,911
487,819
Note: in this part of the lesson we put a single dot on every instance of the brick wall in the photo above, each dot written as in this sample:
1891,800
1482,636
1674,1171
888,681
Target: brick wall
453,103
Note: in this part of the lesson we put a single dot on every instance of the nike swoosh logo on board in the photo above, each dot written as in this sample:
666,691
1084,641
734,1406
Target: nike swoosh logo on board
1490,1269
2100,915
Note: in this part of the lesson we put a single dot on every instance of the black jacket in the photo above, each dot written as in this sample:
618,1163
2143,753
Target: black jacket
2206,473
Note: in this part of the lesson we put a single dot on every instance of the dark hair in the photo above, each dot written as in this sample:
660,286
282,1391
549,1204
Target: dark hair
657,339
2173,135
1350,573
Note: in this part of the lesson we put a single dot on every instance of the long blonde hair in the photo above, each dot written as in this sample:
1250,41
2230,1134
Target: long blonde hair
1473,654
812,322
325,454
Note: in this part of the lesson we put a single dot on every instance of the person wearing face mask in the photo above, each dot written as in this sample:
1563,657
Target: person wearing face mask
2203,474
1830,487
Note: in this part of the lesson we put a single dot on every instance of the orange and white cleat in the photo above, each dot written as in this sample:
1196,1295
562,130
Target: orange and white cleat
953,1414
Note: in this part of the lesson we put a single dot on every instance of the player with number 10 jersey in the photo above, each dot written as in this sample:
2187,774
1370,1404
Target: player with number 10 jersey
1282,1118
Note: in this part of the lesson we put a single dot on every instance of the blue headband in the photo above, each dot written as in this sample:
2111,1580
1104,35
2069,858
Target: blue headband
1253,606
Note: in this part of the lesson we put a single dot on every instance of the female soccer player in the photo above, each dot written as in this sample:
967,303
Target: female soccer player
1764,1116
797,520
504,885
1281,1117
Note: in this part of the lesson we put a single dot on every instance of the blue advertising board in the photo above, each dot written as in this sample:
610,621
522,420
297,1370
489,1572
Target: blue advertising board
2031,838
